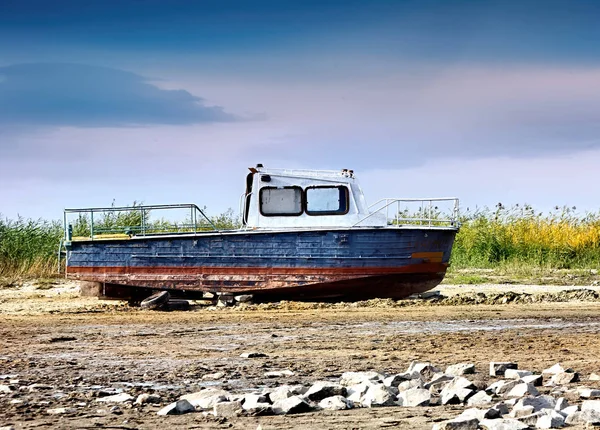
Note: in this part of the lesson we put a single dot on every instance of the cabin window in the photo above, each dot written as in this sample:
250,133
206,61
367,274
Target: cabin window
327,200
283,201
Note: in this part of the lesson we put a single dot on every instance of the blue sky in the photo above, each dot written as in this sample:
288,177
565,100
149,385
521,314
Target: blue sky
165,102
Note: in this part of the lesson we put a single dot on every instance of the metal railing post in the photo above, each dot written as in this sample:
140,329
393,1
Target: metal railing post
194,215
92,225
143,222
429,213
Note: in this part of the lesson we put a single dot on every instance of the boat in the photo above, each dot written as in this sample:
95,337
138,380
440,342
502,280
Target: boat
305,235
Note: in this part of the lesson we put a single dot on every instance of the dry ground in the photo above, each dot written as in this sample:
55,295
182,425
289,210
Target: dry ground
80,346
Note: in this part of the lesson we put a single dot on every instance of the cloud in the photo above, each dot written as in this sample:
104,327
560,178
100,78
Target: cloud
404,118
58,94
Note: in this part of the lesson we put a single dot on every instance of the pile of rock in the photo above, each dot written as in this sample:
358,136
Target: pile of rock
513,401
506,398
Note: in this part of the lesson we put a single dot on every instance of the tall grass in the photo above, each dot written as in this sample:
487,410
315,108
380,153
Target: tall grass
561,239
29,247
488,238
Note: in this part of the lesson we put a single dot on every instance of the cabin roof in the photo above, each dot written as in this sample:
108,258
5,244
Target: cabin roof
343,174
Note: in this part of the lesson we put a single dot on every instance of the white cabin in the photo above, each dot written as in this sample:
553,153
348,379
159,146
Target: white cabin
283,198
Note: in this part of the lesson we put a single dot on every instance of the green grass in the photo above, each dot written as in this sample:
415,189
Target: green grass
29,247
514,244
520,237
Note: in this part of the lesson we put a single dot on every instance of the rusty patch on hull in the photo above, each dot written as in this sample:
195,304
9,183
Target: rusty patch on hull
269,283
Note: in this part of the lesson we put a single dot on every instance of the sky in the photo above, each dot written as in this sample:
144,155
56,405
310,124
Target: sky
171,102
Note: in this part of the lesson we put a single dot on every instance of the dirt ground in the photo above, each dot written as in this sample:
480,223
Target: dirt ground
81,348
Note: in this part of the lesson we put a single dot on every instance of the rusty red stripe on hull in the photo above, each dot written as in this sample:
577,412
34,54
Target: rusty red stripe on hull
273,283
357,271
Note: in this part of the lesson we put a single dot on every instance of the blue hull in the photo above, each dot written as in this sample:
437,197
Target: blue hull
349,264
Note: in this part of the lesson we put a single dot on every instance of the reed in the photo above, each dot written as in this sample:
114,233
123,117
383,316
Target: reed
29,247
517,236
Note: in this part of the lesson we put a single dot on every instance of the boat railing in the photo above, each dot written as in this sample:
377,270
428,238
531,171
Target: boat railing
127,221
438,211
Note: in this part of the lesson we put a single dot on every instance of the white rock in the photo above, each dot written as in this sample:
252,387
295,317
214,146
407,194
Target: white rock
253,355
438,380
6,389
457,391
413,383
519,411
378,395
414,397
279,374
531,419
457,424
537,402
425,370
117,398
459,395
243,298
481,398
535,380
251,400
290,405
479,414
395,380
335,403
588,393
356,392
281,393
501,387
206,399
557,368
9,376
460,369
552,421
213,376
503,424
521,390
583,417
227,409
354,378
499,368
459,382
590,413
147,398
564,378
569,410
594,377
516,373
591,405
259,409
61,411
